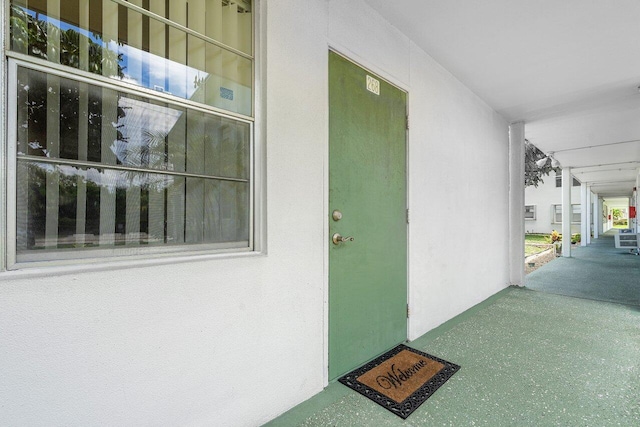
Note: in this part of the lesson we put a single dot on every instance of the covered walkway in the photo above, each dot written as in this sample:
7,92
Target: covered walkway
598,272
528,358
569,355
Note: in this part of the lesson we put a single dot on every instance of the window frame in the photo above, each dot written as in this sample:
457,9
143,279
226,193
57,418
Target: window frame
579,213
574,181
573,206
4,37
255,46
101,258
105,254
534,211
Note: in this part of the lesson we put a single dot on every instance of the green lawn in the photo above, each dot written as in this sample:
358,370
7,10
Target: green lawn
540,239
536,238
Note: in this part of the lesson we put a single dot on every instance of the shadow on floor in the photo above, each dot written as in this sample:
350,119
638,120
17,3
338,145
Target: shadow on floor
527,359
597,272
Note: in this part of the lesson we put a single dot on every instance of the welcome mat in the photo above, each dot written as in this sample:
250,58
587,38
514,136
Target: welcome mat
401,379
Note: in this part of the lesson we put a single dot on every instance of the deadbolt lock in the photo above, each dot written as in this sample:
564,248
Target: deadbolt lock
336,215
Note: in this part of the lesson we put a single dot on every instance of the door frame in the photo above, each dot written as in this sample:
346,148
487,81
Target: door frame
366,65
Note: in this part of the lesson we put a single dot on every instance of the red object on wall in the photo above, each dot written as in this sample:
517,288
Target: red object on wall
632,211
609,217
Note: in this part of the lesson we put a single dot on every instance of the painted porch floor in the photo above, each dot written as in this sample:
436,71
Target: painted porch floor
598,271
528,359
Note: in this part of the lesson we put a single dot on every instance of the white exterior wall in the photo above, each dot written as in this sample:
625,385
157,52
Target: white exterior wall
459,181
544,196
237,341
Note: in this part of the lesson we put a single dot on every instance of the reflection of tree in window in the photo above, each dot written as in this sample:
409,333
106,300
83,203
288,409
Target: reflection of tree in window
63,200
35,36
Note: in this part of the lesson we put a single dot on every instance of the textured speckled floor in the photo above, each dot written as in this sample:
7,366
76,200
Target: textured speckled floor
598,271
528,359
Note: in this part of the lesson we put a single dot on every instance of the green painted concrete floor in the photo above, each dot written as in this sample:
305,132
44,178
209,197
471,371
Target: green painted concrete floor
566,356
598,271
528,359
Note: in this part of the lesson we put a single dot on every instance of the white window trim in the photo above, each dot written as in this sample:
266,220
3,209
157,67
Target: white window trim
94,255
553,213
126,258
3,135
535,210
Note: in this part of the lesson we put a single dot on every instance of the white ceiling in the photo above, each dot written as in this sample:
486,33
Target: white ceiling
569,68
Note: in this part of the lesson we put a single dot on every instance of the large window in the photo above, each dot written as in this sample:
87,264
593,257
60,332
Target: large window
130,127
199,50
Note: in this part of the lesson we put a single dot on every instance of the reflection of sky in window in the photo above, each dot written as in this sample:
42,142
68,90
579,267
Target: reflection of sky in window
158,73
141,127
140,67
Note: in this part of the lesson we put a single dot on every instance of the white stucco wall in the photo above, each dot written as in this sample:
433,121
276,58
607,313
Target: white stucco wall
458,171
459,179
237,341
544,196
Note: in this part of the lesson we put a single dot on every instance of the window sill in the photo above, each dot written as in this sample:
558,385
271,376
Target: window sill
60,268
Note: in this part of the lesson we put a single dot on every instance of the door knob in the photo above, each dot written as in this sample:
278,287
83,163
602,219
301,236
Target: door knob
337,239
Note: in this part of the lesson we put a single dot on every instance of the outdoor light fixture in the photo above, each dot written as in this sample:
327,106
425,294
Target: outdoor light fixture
543,161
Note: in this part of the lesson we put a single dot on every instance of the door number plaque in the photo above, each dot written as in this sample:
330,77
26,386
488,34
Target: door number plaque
373,85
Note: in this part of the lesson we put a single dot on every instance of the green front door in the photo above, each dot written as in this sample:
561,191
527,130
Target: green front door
367,186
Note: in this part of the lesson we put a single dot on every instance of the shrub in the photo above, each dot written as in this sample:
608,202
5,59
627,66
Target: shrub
554,237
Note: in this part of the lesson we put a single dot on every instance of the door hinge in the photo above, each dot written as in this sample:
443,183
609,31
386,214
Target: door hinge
407,310
407,122
407,216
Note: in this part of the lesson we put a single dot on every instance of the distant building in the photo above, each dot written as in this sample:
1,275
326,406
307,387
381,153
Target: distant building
543,206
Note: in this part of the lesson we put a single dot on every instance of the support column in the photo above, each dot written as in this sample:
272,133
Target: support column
3,160
597,218
636,199
516,204
584,219
566,212
589,215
